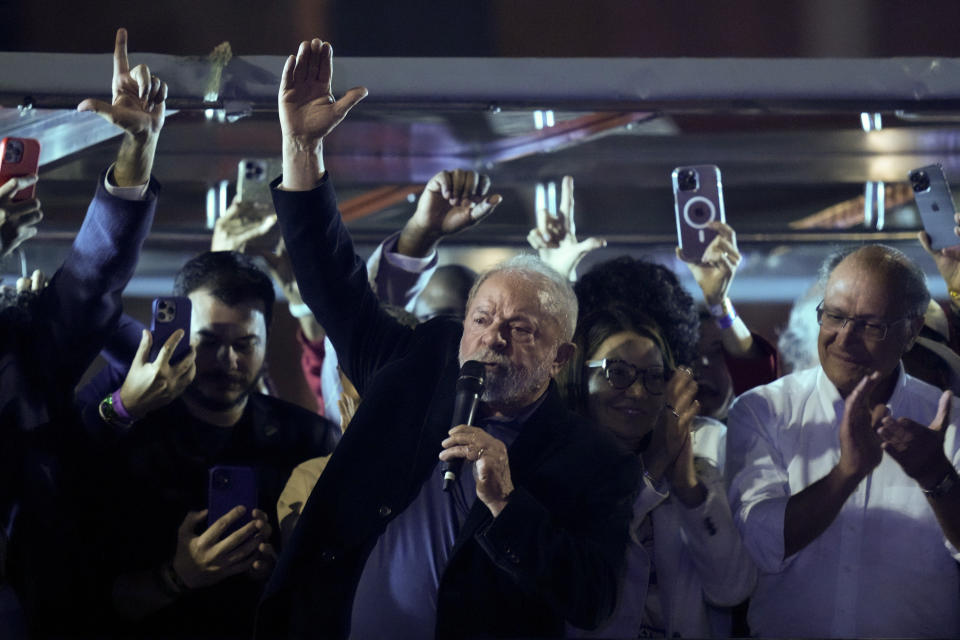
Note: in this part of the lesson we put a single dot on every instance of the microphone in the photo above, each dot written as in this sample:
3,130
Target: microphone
469,390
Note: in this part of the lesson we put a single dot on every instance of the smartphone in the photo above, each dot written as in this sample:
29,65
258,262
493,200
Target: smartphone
228,487
254,177
698,201
932,195
19,157
169,314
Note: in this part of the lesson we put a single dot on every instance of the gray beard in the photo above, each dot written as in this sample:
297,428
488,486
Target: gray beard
508,385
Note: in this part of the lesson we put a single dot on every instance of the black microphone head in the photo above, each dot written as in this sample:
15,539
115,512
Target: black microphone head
472,377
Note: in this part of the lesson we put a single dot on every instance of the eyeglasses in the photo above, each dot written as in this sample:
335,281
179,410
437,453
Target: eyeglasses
621,375
875,331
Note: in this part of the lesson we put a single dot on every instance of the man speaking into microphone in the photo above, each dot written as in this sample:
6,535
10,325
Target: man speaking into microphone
531,534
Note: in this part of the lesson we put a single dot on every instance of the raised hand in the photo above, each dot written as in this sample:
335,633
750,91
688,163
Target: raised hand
946,259
17,218
918,448
451,202
241,223
151,385
138,105
308,110
281,270
716,270
555,238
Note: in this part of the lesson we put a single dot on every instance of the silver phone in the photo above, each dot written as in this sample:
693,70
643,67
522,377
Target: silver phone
254,176
932,195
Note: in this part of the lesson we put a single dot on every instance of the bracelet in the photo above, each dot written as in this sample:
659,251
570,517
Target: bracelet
118,406
300,310
110,415
943,487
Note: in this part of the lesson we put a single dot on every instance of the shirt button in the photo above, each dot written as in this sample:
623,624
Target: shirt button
328,556
384,511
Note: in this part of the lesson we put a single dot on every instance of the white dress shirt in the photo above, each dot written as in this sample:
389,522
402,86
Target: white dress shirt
883,567
702,567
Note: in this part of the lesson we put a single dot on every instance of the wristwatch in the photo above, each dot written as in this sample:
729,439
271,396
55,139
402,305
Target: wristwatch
110,415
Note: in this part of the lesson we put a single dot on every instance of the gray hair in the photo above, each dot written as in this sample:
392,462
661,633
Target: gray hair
896,267
556,294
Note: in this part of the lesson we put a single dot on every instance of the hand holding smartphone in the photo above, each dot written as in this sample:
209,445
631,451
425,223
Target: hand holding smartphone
230,486
169,314
254,176
935,203
698,201
19,157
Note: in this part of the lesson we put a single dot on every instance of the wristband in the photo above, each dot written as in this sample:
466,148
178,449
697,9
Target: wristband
722,310
943,487
723,314
118,406
300,310
727,321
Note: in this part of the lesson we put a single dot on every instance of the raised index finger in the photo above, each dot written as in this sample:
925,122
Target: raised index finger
121,64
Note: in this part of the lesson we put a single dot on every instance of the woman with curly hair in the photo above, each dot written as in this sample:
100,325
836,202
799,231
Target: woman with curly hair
685,561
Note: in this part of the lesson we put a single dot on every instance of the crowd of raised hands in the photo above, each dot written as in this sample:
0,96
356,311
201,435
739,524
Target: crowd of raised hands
643,347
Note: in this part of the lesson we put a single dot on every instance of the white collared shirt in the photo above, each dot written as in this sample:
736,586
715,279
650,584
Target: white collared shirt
883,567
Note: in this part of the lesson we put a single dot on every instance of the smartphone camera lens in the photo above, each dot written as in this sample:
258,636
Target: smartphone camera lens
919,180
253,171
687,180
221,479
165,311
13,151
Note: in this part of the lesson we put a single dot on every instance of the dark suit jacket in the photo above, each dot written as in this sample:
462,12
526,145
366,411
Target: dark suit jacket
553,554
40,365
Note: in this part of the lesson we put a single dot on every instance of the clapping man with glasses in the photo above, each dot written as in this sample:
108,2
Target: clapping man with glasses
844,480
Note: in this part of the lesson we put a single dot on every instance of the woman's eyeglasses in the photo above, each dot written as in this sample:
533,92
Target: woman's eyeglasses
621,375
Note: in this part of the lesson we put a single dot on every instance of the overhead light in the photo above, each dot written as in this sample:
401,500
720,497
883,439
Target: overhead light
871,121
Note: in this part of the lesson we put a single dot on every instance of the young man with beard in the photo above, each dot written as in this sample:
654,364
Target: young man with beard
532,534
163,569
